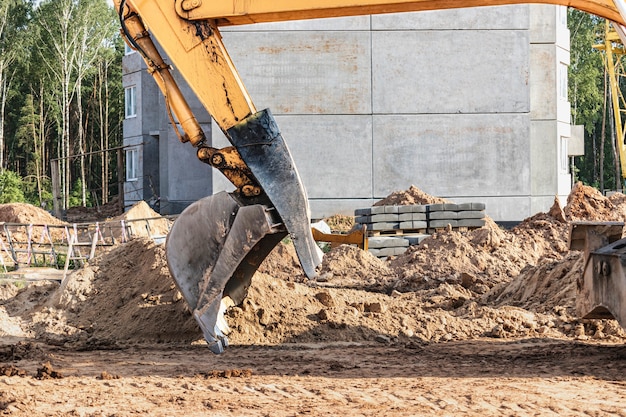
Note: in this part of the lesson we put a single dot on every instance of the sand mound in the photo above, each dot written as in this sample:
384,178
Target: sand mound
126,295
141,220
487,282
26,214
587,203
407,197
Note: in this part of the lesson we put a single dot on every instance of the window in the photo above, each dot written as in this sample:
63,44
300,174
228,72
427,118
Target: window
563,157
131,164
562,81
127,49
130,100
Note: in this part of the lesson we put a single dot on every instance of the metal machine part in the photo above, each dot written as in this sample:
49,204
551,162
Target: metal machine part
602,286
213,249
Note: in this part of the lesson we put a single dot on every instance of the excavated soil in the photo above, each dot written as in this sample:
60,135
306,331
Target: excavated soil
478,322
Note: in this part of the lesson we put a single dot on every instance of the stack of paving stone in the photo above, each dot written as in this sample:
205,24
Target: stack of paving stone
394,228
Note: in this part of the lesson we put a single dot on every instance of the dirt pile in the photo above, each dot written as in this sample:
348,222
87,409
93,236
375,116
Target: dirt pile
407,197
141,220
27,214
94,214
456,285
123,296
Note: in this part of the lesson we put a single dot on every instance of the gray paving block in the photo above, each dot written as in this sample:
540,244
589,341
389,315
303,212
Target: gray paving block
383,226
377,242
384,218
478,206
391,251
435,207
406,225
378,209
451,207
363,219
414,224
374,252
464,206
473,214
391,209
363,211
412,208
416,239
442,223
442,215
471,223
404,217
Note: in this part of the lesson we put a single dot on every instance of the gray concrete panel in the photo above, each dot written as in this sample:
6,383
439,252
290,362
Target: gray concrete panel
543,27
322,208
543,95
305,72
442,72
188,179
132,63
543,157
452,155
333,154
335,23
495,17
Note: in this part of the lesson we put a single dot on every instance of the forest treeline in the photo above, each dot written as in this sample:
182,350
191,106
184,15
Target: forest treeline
61,100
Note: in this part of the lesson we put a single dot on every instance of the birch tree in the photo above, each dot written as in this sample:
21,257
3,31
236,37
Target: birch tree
72,36
13,48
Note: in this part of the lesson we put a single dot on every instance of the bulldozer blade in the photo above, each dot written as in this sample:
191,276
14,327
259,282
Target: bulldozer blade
261,146
213,249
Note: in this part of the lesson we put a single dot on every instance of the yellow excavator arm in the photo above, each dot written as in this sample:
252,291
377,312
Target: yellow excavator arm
217,243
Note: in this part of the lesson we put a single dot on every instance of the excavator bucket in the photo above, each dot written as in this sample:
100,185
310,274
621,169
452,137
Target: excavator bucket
217,243
213,249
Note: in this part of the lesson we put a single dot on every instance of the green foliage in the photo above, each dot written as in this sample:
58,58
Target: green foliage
76,199
586,70
11,186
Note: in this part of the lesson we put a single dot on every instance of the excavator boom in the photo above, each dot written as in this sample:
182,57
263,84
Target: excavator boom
217,243
236,12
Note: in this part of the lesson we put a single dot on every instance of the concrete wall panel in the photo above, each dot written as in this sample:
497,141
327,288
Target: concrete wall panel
544,157
188,179
305,72
333,154
498,17
543,78
452,155
442,72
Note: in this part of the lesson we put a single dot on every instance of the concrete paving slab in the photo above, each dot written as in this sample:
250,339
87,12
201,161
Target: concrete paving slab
471,214
442,215
412,208
377,242
471,223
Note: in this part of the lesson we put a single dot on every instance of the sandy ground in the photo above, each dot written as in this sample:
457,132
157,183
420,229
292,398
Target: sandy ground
539,377
472,323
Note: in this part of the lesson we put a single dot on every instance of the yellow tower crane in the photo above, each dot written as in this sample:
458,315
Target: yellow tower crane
613,48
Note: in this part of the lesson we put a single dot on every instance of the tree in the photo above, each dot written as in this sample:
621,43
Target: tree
11,187
14,37
74,34
587,93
